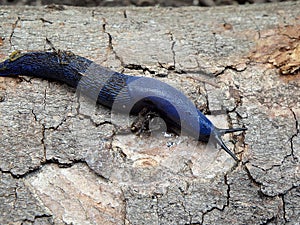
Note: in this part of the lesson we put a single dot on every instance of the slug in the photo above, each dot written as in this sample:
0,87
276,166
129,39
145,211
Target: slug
119,92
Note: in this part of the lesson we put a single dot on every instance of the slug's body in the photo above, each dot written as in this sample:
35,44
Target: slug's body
120,92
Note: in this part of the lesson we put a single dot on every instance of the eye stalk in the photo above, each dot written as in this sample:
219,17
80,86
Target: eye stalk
216,135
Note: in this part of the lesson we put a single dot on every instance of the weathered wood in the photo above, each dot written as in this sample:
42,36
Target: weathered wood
62,162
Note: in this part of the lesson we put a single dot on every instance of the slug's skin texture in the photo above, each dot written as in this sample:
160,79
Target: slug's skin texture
120,92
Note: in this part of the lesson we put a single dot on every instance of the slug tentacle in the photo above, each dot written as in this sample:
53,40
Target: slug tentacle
231,130
217,133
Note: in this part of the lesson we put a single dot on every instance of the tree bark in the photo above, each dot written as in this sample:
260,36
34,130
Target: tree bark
62,160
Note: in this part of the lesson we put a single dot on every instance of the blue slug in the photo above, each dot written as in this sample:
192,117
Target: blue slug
117,91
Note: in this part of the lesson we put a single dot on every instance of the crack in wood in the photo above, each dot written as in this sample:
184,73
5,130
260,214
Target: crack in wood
13,30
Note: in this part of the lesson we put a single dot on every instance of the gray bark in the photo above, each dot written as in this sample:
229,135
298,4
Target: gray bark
62,162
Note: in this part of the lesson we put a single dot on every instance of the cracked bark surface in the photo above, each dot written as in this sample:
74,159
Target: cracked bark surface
63,161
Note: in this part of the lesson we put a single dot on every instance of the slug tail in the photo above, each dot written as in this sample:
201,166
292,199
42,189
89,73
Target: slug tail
217,133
